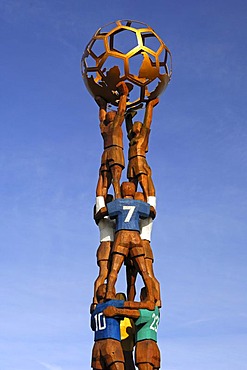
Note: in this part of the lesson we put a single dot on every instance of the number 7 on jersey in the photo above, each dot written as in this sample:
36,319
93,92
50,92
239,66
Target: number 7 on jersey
130,210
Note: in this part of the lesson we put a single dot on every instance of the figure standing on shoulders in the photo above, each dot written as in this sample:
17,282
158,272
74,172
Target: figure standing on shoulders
138,135
112,160
127,243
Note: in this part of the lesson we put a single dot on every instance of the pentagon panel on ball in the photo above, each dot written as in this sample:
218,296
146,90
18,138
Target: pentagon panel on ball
128,51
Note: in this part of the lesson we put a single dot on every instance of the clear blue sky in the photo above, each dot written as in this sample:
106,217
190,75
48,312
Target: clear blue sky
50,153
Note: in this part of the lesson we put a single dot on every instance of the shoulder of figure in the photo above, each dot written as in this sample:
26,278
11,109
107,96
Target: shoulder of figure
99,307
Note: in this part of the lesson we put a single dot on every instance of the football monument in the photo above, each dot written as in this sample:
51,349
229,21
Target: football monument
125,66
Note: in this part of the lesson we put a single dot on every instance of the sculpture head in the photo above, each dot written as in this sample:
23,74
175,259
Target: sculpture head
110,116
139,196
143,295
121,296
128,189
136,128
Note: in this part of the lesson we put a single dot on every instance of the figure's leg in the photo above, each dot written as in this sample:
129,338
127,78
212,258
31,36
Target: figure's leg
106,182
103,184
149,264
134,180
99,188
129,361
143,181
103,272
151,188
131,273
141,265
116,263
116,172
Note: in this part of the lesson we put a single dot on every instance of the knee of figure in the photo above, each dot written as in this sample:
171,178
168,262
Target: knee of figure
145,275
117,366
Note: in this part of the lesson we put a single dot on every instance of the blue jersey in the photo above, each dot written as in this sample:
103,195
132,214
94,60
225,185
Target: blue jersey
106,327
128,213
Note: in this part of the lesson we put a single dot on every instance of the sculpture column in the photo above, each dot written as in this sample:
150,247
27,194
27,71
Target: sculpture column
125,65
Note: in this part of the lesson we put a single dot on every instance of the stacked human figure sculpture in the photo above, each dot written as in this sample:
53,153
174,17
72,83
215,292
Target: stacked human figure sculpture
125,223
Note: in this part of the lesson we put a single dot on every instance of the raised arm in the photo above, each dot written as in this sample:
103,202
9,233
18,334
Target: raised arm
129,124
123,92
102,108
149,112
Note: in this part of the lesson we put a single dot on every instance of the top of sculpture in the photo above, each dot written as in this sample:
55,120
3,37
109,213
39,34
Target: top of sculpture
128,51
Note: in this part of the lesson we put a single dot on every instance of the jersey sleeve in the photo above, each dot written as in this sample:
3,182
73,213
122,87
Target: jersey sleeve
92,323
118,303
144,210
112,209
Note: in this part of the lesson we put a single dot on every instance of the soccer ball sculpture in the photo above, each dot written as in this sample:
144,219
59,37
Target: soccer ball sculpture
128,51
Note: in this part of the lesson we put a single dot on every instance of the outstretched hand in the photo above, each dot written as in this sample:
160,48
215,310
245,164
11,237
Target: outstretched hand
122,88
110,311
